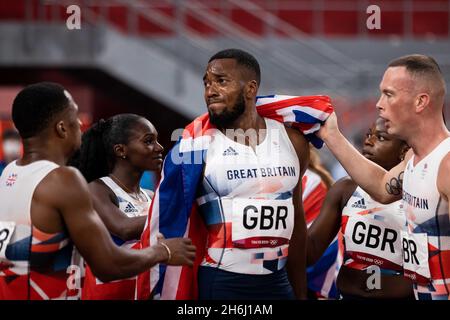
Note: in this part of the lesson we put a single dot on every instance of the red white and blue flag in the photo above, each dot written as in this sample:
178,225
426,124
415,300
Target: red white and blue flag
174,210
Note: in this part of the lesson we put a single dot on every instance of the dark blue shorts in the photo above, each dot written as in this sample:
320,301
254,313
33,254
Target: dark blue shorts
216,284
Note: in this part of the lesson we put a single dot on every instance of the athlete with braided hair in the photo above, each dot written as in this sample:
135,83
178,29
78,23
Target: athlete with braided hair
113,156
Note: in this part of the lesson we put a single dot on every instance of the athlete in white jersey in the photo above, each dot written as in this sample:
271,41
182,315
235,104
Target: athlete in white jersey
372,231
411,102
250,197
113,156
25,249
95,289
131,206
244,186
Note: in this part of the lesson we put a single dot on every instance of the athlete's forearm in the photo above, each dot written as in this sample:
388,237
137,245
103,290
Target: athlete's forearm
364,172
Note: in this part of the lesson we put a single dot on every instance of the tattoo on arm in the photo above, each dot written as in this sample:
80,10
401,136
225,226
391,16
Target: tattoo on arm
394,186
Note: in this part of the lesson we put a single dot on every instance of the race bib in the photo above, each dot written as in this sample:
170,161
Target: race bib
415,257
6,232
261,223
370,241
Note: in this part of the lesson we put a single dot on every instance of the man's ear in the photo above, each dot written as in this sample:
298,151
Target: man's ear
61,129
120,151
422,102
251,89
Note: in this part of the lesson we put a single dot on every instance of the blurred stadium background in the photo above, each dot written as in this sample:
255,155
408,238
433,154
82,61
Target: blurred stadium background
148,56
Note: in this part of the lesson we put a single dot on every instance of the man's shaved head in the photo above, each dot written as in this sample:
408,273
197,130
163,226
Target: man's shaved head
245,60
426,74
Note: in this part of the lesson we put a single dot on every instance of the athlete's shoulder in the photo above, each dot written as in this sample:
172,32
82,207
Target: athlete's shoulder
61,188
64,180
65,174
298,140
101,191
446,160
344,183
301,146
343,189
98,185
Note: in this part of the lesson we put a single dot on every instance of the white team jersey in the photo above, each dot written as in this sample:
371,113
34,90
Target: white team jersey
16,193
19,183
245,200
372,232
427,241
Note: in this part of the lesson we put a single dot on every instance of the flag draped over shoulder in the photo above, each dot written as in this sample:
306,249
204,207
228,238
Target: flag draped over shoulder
174,210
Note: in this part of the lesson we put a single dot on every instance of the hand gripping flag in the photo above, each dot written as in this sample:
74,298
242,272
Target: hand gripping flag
174,210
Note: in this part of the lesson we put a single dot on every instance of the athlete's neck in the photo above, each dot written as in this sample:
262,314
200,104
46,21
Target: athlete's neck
249,120
35,149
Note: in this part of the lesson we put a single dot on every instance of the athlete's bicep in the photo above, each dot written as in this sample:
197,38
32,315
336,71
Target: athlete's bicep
393,182
443,182
85,227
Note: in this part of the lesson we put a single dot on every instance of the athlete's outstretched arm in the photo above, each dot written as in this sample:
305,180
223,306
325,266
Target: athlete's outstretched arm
383,186
92,239
115,220
296,265
326,226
